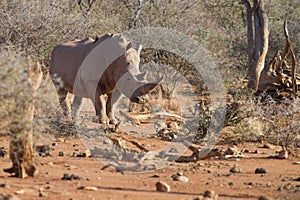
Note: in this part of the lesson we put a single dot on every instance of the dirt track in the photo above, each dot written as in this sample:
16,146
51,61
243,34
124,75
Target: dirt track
279,181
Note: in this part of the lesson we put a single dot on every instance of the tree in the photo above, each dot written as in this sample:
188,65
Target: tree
258,40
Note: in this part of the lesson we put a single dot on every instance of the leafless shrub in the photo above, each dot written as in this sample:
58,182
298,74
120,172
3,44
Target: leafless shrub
35,27
14,87
15,95
262,118
280,119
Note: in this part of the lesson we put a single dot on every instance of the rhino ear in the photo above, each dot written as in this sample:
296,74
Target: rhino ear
129,46
139,49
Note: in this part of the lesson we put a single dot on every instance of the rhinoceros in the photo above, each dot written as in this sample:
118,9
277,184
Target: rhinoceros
97,69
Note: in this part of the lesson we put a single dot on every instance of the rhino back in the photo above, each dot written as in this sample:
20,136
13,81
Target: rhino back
67,58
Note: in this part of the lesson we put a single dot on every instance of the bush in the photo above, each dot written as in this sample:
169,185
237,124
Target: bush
15,89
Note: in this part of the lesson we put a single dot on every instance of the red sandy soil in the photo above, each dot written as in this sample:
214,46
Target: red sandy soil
279,182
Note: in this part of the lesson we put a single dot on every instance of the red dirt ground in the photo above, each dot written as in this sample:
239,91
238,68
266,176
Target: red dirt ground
279,182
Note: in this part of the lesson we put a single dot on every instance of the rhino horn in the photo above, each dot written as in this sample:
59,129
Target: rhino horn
148,87
142,76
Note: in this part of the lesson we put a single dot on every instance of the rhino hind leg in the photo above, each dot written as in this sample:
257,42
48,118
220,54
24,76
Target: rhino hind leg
62,96
77,101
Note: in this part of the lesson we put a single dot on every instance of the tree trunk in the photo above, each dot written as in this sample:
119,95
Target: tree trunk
249,34
21,150
257,49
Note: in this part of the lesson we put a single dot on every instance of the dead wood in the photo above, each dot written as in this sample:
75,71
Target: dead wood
197,155
289,47
280,77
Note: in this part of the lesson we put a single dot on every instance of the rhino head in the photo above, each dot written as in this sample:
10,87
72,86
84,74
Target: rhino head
136,89
133,83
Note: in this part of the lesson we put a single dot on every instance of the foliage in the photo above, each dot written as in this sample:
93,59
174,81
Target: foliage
16,94
34,27
15,91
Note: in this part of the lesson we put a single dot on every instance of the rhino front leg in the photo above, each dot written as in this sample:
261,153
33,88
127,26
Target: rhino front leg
99,101
111,104
100,108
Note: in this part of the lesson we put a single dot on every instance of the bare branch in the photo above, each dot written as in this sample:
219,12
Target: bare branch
249,34
137,13
87,6
255,6
287,46
125,2
272,65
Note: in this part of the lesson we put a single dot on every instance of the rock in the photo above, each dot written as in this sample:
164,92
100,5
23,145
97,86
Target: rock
90,188
180,173
246,151
42,154
4,185
256,151
162,187
43,150
236,169
265,198
61,153
233,151
283,154
180,177
183,179
150,155
250,183
211,195
173,150
3,153
20,192
230,184
260,171
173,125
166,135
297,179
288,186
42,193
9,197
87,153
70,177
155,176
